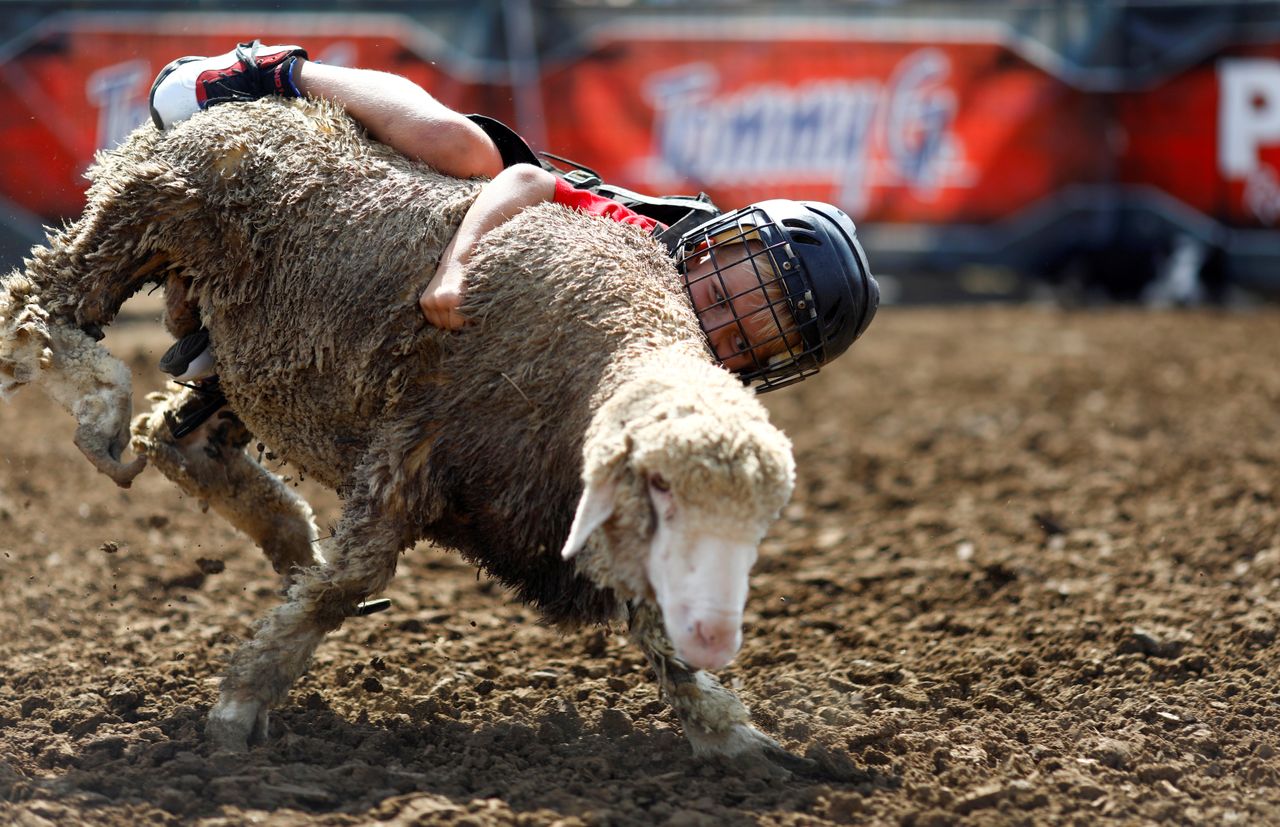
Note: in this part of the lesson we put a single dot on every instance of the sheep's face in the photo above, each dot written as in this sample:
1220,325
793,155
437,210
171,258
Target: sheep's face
698,567
685,513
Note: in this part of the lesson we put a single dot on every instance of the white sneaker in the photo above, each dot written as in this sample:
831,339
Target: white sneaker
248,72
201,367
190,358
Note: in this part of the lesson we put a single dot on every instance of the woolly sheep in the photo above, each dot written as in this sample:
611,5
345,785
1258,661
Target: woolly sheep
585,381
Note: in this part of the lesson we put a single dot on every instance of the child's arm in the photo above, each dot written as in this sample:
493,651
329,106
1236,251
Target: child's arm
512,190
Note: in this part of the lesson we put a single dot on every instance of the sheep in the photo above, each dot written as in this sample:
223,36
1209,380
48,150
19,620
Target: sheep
577,442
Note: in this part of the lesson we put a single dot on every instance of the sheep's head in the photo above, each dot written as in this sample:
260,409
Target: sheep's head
24,335
683,476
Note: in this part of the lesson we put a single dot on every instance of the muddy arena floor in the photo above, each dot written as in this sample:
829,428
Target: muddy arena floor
1029,576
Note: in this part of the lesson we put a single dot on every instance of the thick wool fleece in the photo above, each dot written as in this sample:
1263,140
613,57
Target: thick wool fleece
306,246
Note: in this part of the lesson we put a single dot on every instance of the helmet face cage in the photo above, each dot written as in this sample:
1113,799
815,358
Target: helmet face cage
749,293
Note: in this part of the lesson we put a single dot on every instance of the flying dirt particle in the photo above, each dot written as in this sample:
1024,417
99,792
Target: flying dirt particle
210,566
1048,523
191,580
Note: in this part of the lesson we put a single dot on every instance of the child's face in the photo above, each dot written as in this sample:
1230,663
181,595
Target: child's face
732,307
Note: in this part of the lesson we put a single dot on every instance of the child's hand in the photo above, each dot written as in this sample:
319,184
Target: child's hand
443,296
512,190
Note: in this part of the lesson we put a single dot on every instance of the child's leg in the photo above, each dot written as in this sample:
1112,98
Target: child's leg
395,110
181,312
404,116
190,358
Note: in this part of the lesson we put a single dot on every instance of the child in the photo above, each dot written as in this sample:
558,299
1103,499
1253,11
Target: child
779,287
741,302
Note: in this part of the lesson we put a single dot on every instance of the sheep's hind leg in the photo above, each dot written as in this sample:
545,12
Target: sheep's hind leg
715,720
362,560
211,464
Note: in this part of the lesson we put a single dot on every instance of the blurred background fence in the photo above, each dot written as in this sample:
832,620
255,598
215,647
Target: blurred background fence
1131,149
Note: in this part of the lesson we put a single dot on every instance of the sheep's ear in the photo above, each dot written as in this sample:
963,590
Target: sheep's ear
594,508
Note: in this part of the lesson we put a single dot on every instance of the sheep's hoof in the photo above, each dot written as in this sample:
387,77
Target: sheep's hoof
793,764
233,725
747,746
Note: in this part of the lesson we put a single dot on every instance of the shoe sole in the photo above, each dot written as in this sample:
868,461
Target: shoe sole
209,399
164,73
178,358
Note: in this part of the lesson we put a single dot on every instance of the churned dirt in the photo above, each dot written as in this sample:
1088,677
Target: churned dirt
1029,577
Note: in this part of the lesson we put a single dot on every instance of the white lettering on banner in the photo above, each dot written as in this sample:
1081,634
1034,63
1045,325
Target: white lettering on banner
1248,112
1248,122
852,134
1262,195
114,90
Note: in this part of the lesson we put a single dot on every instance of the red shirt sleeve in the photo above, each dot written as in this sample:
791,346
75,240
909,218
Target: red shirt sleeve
592,204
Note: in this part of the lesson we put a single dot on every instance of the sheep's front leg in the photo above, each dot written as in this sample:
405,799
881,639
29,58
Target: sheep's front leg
362,560
79,374
715,721
211,464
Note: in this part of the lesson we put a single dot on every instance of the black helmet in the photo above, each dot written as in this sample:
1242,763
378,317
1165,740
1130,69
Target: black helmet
819,274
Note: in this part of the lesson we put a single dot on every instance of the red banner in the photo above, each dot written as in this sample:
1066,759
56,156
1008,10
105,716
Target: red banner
890,131
1211,137
83,86
895,124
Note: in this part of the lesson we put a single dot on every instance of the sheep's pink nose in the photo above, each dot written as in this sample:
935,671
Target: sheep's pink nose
709,634
710,644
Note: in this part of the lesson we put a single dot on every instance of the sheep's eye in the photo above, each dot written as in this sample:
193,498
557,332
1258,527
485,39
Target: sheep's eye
659,483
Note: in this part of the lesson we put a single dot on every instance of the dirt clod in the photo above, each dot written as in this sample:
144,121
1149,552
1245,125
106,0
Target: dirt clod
210,566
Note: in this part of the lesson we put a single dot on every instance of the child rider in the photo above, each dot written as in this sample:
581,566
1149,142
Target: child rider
780,287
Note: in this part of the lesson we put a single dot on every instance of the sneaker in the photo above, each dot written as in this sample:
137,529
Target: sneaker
207,400
190,358
369,607
248,72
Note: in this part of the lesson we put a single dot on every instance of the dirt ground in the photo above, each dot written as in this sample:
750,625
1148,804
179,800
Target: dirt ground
1029,577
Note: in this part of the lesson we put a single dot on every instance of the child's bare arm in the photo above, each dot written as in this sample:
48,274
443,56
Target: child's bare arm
512,190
